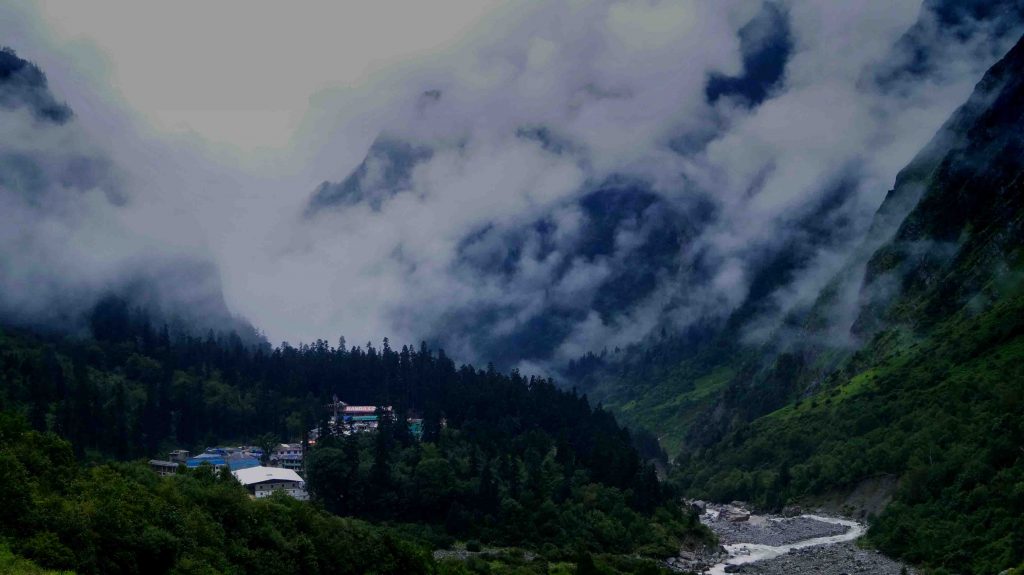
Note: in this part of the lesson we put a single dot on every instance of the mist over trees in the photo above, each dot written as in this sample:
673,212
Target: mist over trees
503,459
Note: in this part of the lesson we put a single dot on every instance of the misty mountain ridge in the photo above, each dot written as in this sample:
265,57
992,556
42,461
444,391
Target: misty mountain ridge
931,302
606,259
51,176
620,261
23,84
623,257
933,247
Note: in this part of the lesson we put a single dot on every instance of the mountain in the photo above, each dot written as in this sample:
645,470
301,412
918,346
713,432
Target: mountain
919,404
622,242
385,171
23,85
64,246
967,223
892,393
685,386
530,278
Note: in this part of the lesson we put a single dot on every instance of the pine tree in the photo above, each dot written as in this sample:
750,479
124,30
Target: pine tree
487,493
585,564
380,471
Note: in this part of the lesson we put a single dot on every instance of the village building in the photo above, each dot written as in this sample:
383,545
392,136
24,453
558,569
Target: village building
233,458
288,456
163,468
416,427
360,418
169,466
264,481
349,419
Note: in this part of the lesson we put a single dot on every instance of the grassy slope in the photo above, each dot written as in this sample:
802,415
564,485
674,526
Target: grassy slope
669,403
943,412
11,564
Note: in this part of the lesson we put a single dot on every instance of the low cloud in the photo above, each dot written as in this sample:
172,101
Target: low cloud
575,176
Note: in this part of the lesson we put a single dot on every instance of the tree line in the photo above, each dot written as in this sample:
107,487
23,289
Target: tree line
505,459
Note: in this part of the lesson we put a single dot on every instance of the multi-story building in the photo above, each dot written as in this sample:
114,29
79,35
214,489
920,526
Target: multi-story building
264,481
288,456
348,419
163,468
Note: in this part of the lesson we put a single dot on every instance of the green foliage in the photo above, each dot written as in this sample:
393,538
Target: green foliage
666,392
511,563
135,391
942,413
11,564
517,461
122,518
523,492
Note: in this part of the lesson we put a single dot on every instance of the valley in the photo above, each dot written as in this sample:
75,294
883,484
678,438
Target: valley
646,287
792,544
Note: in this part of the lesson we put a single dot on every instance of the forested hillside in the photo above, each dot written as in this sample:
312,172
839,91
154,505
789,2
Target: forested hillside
929,394
935,397
123,518
503,460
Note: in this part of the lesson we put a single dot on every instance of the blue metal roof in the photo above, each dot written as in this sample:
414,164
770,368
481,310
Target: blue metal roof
232,463
243,463
197,461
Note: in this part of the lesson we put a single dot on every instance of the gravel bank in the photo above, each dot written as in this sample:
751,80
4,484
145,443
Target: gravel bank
772,531
802,545
836,559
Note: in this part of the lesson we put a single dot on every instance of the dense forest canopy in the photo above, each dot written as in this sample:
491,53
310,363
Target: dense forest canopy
188,391
504,459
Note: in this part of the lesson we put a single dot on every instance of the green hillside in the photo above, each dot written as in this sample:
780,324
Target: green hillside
941,412
511,463
933,393
935,397
667,402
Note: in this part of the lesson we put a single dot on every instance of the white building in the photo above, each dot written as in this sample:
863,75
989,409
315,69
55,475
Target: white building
264,481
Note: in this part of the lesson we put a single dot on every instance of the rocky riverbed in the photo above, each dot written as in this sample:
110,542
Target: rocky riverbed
769,545
836,559
764,530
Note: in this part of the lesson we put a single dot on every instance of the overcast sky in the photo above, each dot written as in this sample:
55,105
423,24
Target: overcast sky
241,72
218,120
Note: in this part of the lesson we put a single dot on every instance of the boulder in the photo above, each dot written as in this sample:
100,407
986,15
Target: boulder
735,514
792,511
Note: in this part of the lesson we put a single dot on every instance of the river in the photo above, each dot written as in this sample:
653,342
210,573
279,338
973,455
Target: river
743,553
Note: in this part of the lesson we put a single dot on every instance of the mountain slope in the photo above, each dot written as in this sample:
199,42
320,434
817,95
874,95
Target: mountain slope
651,385
22,84
64,243
503,459
934,398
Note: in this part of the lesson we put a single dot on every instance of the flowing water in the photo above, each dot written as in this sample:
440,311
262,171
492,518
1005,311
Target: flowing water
743,553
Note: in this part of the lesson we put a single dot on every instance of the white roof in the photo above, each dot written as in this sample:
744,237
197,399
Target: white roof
260,474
